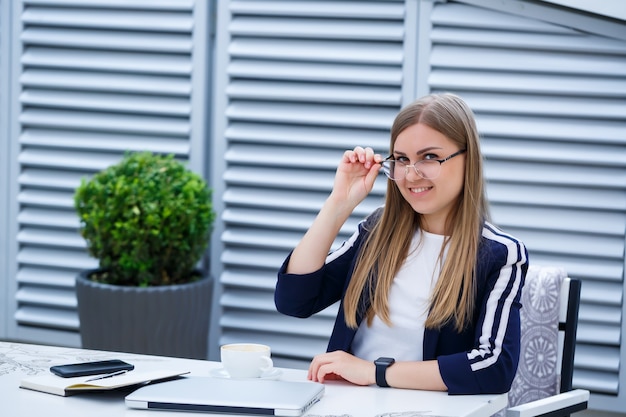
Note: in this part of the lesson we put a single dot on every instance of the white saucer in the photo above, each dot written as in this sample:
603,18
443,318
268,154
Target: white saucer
273,373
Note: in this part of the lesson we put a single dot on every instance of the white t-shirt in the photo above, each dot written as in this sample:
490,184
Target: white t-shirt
408,306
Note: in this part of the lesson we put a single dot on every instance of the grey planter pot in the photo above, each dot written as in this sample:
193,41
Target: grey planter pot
168,320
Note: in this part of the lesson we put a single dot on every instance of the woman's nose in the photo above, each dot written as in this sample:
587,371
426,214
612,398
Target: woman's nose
411,173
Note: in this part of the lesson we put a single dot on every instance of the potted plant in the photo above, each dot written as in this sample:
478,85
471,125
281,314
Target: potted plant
147,219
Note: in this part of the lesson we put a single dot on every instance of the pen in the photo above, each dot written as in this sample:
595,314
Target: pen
108,375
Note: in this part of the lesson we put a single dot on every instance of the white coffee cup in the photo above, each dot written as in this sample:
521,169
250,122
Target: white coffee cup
246,360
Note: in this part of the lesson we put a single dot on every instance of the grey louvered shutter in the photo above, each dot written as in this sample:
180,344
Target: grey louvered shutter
97,78
5,18
550,102
303,81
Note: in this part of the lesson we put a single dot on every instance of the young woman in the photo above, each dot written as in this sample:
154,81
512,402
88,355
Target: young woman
430,290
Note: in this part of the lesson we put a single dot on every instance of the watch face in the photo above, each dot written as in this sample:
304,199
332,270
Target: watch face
384,361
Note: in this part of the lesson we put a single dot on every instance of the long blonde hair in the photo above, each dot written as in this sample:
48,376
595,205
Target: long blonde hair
388,244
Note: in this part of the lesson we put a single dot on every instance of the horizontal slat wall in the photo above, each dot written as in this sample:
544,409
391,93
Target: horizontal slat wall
551,107
306,80
98,78
5,20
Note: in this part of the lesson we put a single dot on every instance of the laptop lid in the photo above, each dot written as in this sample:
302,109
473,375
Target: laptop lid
231,396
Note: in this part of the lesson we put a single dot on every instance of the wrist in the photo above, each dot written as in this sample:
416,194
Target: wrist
339,206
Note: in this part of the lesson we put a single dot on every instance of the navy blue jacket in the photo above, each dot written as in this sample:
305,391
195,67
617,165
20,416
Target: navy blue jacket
482,359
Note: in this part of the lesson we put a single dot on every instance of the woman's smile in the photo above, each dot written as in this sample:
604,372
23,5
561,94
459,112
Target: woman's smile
419,190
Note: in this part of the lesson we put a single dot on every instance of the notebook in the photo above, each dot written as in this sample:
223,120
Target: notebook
53,384
230,396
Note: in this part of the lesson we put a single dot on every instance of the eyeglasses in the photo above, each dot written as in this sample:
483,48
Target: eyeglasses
428,168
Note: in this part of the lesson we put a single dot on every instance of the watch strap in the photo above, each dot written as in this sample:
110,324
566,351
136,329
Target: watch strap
381,371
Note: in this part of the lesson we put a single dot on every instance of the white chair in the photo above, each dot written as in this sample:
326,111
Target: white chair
543,383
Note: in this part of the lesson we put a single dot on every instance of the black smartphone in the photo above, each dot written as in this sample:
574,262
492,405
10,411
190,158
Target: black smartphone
91,368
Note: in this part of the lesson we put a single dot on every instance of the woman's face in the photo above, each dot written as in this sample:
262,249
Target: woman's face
432,198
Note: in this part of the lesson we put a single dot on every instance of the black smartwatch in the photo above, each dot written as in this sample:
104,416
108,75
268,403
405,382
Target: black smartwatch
381,370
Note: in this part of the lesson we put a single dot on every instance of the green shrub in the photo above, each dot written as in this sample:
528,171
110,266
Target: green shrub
147,220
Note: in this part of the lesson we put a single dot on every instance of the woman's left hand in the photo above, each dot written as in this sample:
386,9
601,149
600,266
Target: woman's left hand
341,365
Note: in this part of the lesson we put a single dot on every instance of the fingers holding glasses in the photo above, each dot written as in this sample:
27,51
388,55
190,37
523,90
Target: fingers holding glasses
365,156
355,175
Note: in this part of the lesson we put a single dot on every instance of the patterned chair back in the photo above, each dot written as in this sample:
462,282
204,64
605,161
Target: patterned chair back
549,319
539,369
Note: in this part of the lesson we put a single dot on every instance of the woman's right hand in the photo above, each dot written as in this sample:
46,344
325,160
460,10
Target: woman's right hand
356,175
354,180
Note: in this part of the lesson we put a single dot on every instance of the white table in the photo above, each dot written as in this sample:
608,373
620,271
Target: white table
341,399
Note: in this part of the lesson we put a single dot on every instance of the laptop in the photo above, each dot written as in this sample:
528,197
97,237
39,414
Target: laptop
229,396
